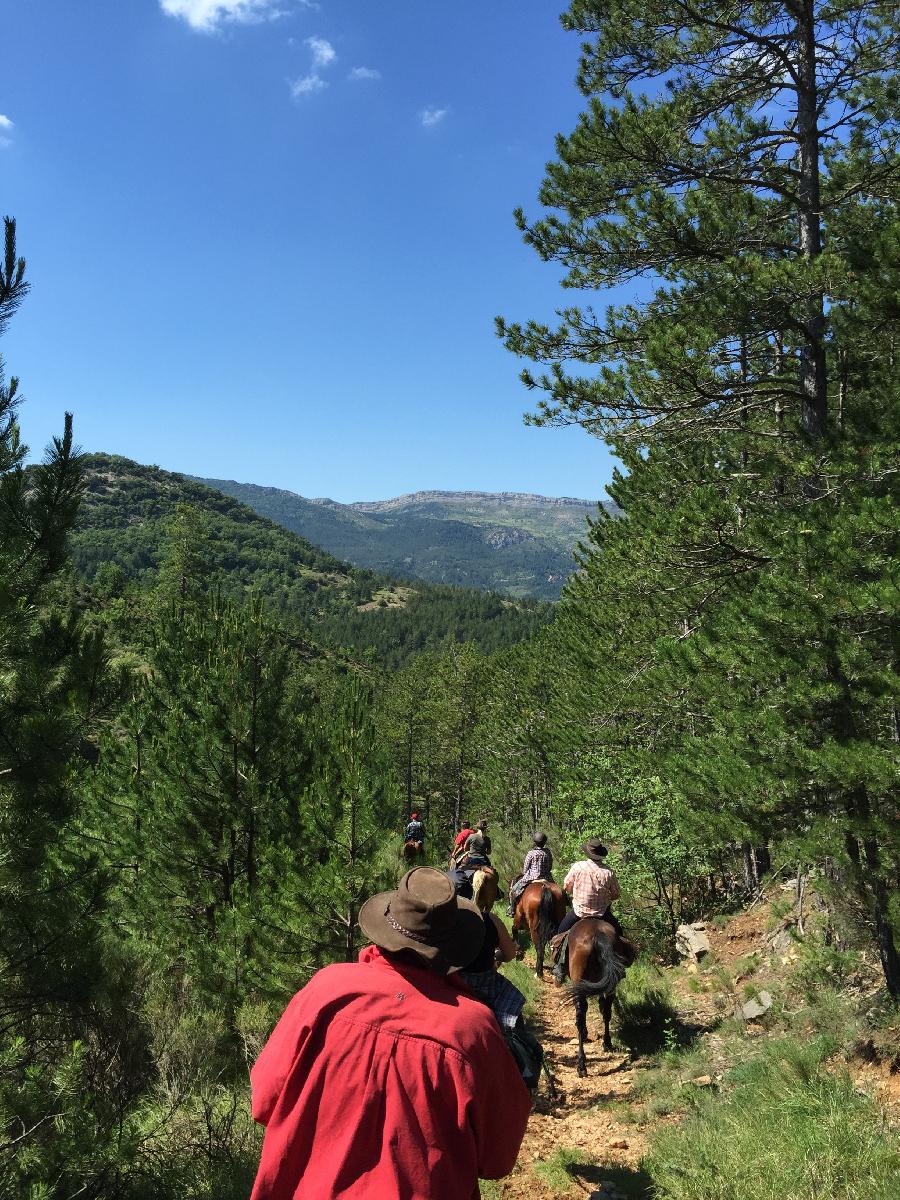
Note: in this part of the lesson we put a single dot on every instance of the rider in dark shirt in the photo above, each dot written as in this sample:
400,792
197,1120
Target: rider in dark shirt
415,830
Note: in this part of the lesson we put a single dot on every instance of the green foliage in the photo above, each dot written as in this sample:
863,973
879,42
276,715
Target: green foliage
352,803
518,545
734,633
51,687
135,516
792,1126
646,1017
198,796
657,852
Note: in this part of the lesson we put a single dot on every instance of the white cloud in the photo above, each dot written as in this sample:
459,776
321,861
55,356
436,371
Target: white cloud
6,128
364,73
208,15
323,52
5,123
308,85
430,117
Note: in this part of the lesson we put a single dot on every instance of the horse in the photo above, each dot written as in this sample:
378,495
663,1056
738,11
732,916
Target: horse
597,961
412,851
540,909
485,888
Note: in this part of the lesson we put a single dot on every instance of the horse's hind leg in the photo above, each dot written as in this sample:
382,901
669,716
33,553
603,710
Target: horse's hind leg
606,1005
539,948
581,1026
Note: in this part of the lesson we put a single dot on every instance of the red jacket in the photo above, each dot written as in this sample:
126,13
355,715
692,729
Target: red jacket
461,838
386,1082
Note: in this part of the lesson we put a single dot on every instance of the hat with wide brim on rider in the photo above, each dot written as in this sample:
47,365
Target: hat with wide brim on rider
595,850
425,915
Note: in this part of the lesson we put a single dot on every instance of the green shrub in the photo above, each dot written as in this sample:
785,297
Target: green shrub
787,1129
647,1020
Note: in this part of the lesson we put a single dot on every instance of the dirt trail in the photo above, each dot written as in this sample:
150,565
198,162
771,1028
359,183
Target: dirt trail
581,1142
582,1116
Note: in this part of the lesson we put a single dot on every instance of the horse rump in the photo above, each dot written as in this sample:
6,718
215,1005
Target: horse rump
546,916
485,888
611,970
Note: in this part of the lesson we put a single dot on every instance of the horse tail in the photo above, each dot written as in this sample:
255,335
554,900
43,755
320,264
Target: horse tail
546,923
610,966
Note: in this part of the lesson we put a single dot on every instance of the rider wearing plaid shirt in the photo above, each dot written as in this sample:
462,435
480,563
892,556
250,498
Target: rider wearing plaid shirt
538,865
593,887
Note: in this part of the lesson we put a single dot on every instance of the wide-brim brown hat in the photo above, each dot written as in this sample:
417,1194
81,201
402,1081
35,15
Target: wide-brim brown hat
425,915
595,850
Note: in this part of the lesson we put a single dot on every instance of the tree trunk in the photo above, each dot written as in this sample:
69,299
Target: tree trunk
813,374
866,860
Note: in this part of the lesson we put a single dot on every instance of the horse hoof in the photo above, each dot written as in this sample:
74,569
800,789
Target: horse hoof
582,1072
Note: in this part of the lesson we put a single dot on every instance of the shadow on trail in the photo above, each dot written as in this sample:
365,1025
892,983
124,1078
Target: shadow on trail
627,1181
647,1021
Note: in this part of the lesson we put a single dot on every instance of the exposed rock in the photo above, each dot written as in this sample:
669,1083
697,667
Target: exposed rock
618,1144
691,941
781,942
756,1007
702,1081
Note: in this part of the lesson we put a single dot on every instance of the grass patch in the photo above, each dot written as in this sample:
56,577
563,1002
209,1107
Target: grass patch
786,1127
520,974
569,1171
491,1189
556,1172
647,1019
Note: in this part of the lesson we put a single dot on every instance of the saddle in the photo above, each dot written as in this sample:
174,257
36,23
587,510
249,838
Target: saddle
623,947
559,946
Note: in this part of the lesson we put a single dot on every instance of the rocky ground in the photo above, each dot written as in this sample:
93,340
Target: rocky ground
589,1139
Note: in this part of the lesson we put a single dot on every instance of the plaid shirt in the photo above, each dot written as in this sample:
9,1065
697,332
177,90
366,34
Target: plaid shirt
538,865
593,888
498,993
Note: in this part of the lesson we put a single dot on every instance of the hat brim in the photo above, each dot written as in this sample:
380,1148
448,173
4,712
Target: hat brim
455,952
594,855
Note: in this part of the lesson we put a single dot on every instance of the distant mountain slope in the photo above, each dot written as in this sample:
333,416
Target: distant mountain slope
125,519
511,542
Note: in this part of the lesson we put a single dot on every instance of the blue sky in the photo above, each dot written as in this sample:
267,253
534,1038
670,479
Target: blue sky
267,239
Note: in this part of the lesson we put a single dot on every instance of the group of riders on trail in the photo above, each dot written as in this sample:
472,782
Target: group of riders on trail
410,1072
591,884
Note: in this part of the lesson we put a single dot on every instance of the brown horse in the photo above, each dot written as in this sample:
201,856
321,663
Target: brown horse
597,959
412,851
540,909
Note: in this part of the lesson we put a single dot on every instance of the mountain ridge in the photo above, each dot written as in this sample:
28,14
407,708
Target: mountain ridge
518,543
126,522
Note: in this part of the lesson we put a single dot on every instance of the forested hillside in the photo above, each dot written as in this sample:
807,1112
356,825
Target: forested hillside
211,732
128,518
518,544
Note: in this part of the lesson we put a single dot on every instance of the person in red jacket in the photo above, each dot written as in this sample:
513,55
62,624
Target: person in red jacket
387,1078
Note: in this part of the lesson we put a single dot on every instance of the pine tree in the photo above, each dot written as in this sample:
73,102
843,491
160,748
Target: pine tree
198,799
51,681
353,806
748,391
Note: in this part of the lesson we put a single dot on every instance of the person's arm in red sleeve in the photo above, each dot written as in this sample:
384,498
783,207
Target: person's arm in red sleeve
503,1105
270,1071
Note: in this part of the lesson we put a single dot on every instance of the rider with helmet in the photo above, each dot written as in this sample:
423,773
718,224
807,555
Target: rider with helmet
538,865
